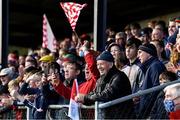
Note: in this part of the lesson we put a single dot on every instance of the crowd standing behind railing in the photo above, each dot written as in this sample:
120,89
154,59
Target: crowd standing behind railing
135,59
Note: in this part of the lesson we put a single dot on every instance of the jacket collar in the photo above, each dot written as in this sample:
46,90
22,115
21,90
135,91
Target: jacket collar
111,72
136,61
144,66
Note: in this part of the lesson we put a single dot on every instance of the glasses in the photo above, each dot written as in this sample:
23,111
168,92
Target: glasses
71,68
52,71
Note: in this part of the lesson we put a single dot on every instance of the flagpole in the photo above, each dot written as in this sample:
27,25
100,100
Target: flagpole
79,40
79,107
76,34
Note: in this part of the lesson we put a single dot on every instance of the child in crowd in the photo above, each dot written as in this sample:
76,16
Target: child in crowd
39,104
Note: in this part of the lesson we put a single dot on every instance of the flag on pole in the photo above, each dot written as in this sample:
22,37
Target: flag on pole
72,11
73,112
49,41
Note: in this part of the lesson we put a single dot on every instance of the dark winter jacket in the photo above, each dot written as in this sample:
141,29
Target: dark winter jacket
45,96
151,70
158,110
113,85
4,89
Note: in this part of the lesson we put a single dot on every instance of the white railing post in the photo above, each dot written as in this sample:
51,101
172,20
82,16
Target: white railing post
27,113
96,110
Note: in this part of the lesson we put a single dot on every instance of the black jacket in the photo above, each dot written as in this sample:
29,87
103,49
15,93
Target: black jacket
113,85
158,110
4,89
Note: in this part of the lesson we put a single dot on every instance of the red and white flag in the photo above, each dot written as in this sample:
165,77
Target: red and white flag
49,41
72,11
73,112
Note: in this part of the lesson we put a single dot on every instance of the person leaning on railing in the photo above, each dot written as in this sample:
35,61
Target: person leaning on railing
111,85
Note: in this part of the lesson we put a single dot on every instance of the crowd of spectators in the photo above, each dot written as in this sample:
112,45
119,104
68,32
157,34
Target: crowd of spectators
133,60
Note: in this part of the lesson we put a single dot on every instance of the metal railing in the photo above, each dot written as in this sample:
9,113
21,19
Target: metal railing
96,109
100,106
59,107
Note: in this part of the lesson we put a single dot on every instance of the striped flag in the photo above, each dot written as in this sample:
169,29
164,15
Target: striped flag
72,11
73,112
49,41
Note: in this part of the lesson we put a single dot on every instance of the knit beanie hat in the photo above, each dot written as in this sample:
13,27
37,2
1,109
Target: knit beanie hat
105,55
70,58
177,19
149,48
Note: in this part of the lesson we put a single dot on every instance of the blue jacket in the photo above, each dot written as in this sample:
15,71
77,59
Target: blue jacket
39,102
25,89
45,96
151,70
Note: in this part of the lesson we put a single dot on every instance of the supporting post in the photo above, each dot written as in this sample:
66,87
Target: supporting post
0,34
4,32
96,110
28,112
100,11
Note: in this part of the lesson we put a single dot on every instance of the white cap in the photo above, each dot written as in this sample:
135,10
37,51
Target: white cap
6,71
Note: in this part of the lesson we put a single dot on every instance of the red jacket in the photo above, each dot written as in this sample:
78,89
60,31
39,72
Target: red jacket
174,115
86,87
